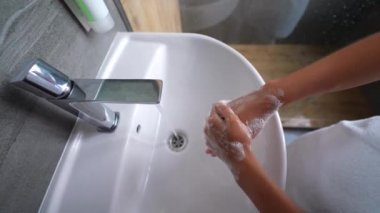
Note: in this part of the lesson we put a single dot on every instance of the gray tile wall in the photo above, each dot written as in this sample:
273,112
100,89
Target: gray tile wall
33,133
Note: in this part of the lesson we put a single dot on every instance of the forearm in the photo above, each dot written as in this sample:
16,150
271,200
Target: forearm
266,196
354,65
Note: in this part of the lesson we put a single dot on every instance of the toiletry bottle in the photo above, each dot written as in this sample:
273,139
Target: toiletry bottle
97,14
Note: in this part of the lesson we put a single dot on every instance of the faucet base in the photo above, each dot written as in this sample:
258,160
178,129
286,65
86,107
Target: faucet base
114,125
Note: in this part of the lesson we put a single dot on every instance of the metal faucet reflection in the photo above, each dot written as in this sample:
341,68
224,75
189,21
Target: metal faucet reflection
86,97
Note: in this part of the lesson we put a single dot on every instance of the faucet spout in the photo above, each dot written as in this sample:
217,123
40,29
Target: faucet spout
86,97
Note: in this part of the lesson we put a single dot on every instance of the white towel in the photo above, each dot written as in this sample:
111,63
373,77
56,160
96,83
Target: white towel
337,168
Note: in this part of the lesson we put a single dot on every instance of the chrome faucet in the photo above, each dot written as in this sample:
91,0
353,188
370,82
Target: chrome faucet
84,97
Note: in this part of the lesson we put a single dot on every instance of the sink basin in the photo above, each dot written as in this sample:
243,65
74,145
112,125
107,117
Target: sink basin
134,169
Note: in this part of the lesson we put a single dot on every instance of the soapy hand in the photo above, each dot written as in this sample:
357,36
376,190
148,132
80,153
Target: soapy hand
255,108
226,136
231,127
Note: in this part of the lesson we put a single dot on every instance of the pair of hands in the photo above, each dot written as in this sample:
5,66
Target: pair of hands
226,136
231,126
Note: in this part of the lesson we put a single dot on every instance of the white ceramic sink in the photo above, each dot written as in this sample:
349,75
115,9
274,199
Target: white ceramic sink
130,171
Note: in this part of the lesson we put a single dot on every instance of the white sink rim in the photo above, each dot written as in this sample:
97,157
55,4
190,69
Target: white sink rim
75,135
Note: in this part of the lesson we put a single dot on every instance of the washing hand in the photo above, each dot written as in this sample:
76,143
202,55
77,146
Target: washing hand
229,139
226,136
231,127
255,108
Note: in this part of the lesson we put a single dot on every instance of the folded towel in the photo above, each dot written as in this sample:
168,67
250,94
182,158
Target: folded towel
337,168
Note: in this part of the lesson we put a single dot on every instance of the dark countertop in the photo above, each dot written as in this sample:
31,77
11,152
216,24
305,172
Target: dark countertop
33,132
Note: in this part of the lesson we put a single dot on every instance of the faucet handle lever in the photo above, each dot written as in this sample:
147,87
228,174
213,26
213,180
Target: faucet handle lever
44,80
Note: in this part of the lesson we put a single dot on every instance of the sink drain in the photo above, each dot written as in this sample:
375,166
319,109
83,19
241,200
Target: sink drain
177,141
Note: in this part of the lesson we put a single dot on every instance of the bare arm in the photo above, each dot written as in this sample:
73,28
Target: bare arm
265,194
354,65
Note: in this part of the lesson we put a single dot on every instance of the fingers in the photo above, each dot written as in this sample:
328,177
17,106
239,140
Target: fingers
207,132
213,147
212,136
225,112
215,127
218,121
210,152
215,121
